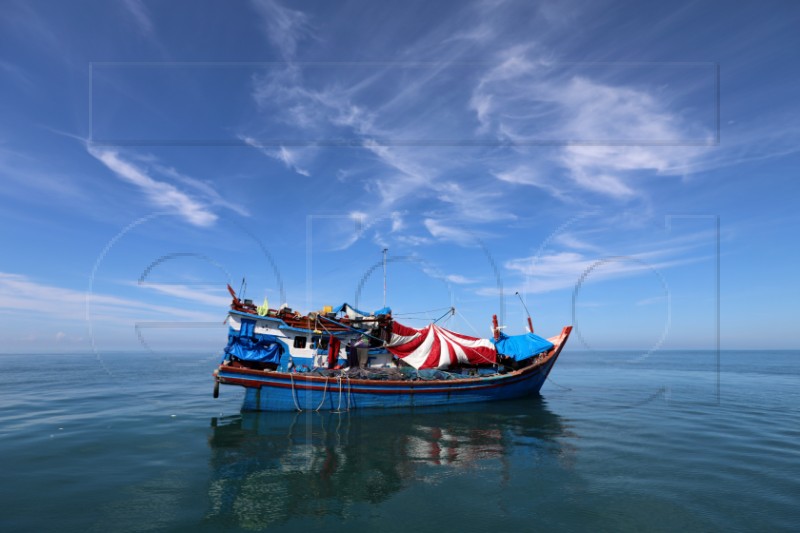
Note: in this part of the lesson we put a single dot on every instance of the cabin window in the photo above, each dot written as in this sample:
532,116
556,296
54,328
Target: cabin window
299,342
321,342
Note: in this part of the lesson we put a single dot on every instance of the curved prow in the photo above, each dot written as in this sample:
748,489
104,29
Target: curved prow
558,344
560,340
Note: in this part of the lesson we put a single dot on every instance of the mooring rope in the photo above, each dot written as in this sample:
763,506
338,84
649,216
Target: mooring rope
339,407
341,393
348,392
324,391
557,385
294,393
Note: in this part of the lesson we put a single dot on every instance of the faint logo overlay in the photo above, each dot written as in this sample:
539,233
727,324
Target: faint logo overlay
595,270
176,316
651,313
150,268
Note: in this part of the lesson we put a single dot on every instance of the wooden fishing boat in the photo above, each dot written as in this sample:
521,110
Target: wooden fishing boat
322,361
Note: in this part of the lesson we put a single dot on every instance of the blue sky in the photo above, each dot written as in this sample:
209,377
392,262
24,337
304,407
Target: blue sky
593,157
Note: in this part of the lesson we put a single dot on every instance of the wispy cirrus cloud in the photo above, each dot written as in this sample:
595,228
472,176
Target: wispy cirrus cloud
16,73
285,155
289,158
525,174
607,132
21,293
412,240
444,232
436,273
573,258
408,178
217,298
525,95
159,193
204,188
624,117
141,15
25,172
576,242
284,27
23,20
565,269
458,279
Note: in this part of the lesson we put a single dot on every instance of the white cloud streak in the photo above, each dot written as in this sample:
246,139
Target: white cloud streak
284,155
140,14
528,99
20,294
157,192
283,27
526,95
189,293
524,174
443,232
458,279
204,188
564,269
25,173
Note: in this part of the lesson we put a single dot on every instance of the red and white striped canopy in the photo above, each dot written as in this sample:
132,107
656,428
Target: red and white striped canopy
435,347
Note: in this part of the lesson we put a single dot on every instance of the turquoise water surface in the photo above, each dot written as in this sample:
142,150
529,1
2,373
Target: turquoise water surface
616,442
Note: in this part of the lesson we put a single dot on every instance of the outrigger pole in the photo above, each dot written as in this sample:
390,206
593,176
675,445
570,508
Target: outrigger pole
530,322
451,311
384,276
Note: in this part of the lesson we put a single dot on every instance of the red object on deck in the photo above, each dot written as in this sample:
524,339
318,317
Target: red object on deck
436,347
333,351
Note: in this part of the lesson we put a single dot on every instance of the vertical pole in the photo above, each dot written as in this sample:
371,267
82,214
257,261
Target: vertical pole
384,276
530,322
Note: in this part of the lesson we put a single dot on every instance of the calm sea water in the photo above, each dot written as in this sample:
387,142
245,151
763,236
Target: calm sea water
616,442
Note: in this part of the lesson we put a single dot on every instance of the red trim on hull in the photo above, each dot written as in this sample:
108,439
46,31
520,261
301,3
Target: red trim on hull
408,387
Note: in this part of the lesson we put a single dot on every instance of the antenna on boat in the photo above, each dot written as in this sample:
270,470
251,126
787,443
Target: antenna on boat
241,289
385,250
530,322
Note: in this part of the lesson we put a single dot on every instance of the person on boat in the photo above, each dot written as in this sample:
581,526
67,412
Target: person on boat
353,360
352,355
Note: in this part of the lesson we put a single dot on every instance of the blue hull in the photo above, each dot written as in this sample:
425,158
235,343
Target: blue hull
283,391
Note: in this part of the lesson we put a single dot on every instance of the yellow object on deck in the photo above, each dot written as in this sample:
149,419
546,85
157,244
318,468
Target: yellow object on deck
263,309
327,309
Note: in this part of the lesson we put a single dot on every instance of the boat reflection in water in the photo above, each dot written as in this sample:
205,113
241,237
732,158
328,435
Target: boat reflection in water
269,468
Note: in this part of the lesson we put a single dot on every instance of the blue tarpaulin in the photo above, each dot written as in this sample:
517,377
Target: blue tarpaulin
347,308
519,347
247,345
